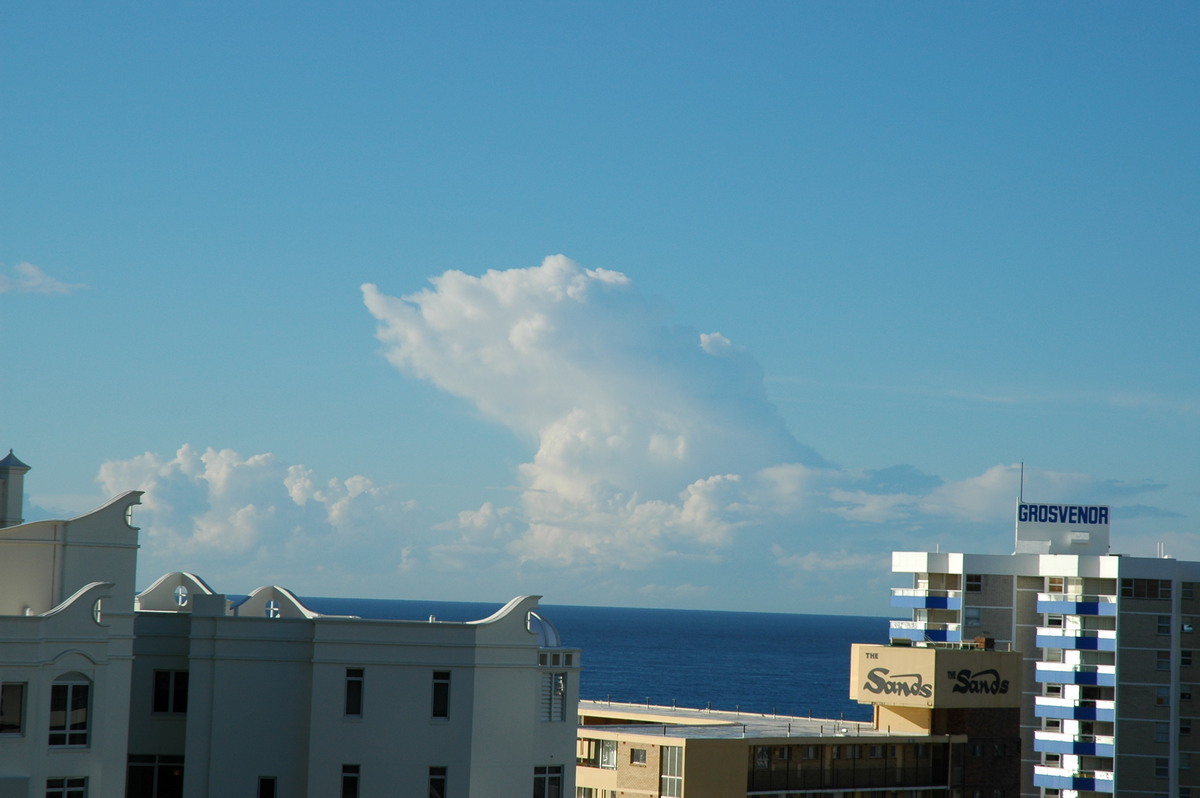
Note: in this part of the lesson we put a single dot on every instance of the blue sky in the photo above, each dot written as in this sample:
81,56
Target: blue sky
681,305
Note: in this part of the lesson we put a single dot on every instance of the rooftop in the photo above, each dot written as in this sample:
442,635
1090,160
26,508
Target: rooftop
689,723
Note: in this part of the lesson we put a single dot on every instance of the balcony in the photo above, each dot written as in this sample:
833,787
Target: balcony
1073,709
1078,744
1063,779
1077,604
912,598
1063,673
1076,639
922,631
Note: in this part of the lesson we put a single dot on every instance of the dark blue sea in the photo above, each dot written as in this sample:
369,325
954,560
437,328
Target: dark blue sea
755,662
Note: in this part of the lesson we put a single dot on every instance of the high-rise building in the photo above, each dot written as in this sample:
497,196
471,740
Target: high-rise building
1109,646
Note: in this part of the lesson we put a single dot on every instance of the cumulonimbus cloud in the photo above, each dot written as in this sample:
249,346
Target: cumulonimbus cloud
651,440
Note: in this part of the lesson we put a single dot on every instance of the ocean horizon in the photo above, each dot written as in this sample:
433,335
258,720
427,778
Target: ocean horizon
754,662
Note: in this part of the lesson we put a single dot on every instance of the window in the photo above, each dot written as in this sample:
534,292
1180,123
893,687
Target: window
1185,726
547,781
1185,658
585,792
1162,732
354,692
150,776
266,787
554,692
1054,584
1053,689
66,788
1185,693
971,616
1185,760
637,756
1162,696
437,782
812,752
12,708
1162,767
1052,724
441,694
170,691
671,781
877,752
1162,660
1188,590
608,754
350,775
1146,588
974,583
1164,624
69,712
1055,621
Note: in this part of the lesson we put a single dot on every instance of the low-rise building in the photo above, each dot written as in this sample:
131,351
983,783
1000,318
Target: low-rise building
182,691
945,722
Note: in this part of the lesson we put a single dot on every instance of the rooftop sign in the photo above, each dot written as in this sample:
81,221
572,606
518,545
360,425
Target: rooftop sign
934,677
1061,529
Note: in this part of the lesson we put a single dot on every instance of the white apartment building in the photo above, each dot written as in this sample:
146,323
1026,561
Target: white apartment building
182,691
1109,645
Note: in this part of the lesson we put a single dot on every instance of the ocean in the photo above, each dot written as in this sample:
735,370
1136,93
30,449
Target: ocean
750,661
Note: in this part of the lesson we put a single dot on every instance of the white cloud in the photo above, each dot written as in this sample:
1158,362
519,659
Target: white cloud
643,429
656,443
25,278
655,458
215,511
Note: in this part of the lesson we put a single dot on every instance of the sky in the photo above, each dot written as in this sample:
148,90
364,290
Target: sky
685,305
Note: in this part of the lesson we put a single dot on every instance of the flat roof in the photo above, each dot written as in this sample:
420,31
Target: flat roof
705,724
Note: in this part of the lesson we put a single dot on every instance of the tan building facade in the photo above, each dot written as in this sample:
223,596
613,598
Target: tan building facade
927,739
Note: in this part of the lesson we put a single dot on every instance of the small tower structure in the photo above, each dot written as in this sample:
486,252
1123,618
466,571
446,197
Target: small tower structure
12,490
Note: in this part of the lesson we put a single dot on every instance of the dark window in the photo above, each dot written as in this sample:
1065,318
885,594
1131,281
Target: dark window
1146,588
354,691
170,691
547,781
12,708
637,756
66,788
437,783
441,694
974,583
150,776
266,787
69,714
350,781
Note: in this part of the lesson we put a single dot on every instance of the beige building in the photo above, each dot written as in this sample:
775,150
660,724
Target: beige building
945,724
1109,646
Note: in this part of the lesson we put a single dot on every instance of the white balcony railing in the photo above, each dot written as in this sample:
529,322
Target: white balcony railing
1058,631
919,593
928,627
1064,773
1055,701
1066,737
1066,667
1077,597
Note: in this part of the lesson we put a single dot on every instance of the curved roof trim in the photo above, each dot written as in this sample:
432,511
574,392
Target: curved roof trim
525,603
